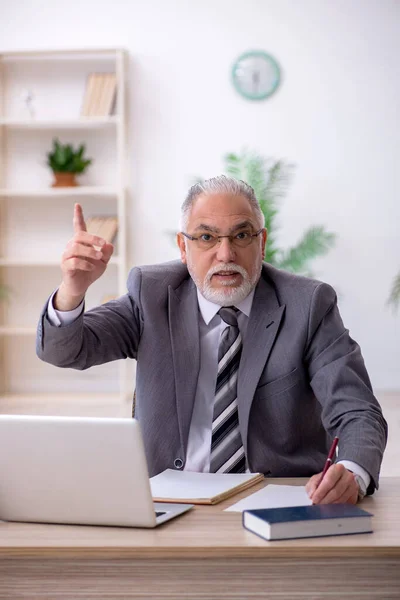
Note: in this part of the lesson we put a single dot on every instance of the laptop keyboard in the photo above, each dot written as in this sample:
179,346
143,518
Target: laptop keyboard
159,514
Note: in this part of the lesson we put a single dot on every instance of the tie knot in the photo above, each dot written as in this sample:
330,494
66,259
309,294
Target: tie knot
229,315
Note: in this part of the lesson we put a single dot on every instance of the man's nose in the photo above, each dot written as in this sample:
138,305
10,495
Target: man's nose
225,250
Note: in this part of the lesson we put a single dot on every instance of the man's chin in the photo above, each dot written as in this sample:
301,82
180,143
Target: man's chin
227,288
232,281
226,295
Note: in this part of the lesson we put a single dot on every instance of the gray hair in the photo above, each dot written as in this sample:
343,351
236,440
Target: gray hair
220,185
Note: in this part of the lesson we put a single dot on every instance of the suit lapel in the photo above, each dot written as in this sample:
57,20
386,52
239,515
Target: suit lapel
262,329
184,332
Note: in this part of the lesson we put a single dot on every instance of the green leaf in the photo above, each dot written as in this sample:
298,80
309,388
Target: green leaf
315,242
233,166
81,150
232,157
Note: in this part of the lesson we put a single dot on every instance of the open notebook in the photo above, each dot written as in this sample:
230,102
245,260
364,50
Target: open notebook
199,488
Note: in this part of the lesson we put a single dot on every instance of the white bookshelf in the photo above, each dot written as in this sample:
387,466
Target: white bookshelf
36,219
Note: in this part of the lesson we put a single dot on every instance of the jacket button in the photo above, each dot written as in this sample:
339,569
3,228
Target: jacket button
178,463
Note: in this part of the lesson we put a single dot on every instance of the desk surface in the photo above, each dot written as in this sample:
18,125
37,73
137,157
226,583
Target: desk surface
206,532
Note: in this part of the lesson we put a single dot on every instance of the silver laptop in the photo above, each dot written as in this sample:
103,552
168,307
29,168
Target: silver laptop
77,470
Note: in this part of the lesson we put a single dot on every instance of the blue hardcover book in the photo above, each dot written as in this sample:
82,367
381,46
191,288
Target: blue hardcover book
307,521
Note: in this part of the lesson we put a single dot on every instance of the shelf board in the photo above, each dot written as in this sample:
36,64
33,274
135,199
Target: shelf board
24,261
61,53
66,404
79,123
13,331
64,192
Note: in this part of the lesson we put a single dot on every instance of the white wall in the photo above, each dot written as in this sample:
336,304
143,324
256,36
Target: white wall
336,116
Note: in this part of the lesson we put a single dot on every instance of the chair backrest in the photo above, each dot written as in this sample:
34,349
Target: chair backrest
133,404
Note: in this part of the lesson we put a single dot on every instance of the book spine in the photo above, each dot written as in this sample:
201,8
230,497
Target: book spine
110,94
102,103
85,111
97,93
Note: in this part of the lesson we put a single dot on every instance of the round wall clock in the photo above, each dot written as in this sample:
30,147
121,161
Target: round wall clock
256,75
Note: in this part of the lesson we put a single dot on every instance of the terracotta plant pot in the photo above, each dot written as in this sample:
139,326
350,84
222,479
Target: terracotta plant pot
64,180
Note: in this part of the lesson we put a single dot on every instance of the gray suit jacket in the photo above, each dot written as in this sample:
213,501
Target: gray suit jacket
301,381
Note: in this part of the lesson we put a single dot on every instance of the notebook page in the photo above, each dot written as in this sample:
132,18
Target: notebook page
187,484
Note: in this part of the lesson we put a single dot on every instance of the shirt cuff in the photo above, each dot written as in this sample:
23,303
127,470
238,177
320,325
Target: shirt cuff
362,473
60,318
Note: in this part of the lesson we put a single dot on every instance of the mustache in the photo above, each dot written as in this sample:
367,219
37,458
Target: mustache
226,268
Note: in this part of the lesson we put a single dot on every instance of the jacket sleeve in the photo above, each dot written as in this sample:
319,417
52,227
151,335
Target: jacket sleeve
341,384
106,333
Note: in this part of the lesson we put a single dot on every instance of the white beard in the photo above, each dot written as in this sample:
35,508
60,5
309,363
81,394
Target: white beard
230,295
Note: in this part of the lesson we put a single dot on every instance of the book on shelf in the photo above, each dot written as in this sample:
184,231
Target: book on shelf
107,97
307,521
100,94
97,91
87,99
104,227
189,487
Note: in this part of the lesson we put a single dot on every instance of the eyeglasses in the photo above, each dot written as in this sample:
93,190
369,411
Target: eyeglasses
209,240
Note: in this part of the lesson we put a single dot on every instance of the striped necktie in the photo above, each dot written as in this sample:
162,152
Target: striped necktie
227,453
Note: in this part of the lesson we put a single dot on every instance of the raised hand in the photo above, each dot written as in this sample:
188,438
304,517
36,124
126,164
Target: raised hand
84,260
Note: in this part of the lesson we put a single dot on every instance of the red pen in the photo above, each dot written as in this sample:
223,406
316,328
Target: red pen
329,459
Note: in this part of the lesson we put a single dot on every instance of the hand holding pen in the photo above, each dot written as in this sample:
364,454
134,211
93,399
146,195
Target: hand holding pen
335,484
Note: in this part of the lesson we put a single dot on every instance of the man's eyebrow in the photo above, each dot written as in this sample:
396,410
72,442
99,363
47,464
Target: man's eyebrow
243,225
203,227
211,229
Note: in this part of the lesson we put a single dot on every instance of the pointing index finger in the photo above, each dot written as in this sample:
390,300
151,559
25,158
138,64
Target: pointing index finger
79,221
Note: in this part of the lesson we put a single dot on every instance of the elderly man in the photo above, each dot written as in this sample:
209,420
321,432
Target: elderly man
240,366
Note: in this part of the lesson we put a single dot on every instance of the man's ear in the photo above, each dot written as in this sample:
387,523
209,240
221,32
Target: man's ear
264,237
180,240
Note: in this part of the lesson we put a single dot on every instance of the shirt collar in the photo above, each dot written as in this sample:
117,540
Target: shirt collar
209,309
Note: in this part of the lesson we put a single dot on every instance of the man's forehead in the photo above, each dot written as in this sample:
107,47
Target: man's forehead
221,206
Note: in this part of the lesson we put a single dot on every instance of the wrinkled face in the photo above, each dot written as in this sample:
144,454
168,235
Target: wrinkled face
226,272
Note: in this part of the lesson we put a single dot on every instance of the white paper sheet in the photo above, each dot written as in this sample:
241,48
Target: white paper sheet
273,496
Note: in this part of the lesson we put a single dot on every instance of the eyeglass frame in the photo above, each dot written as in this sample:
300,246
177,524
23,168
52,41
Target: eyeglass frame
219,237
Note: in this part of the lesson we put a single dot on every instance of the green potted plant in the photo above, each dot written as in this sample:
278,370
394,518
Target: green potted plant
66,163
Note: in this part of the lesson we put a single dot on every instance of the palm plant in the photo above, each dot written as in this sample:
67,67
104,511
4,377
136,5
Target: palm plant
270,179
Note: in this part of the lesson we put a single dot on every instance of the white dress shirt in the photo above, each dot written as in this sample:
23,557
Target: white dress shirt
210,329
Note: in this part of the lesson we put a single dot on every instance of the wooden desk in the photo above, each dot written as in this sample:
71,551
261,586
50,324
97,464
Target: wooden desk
205,554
